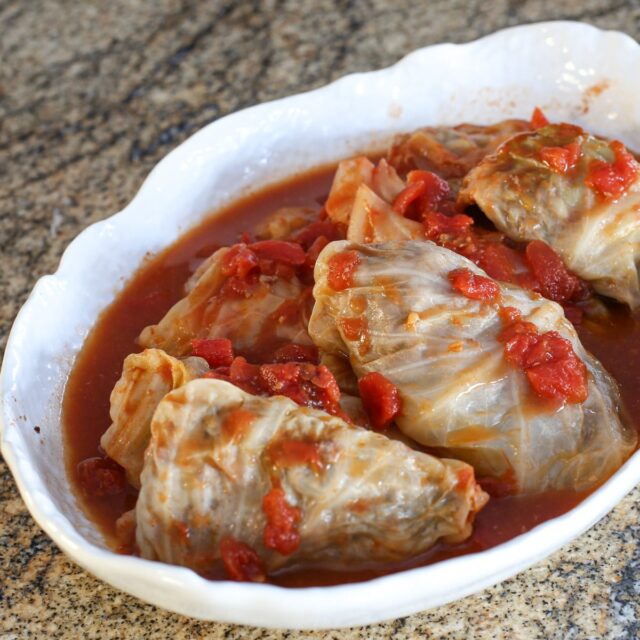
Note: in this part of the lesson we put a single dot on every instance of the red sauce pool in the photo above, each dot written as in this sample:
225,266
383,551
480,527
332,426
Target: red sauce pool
158,284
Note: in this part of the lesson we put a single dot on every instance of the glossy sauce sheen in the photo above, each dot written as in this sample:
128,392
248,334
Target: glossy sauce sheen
159,284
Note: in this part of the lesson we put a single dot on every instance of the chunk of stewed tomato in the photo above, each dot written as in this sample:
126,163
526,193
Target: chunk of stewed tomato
473,285
538,119
218,352
240,561
611,180
342,268
281,530
290,253
425,191
553,369
380,398
556,282
561,159
101,477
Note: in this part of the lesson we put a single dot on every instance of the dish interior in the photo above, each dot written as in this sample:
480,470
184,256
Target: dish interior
158,285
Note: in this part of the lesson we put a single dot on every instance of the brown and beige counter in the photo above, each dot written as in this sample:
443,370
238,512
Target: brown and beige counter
92,95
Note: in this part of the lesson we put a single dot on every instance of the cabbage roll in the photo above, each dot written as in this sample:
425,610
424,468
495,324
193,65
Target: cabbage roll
577,193
146,378
451,152
292,485
401,317
221,304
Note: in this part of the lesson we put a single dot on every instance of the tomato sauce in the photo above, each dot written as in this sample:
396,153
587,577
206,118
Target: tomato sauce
159,283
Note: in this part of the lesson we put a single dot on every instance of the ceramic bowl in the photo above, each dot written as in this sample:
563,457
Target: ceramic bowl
573,71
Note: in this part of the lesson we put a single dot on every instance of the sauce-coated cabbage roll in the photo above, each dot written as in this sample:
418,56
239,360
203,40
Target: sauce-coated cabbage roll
536,410
577,193
262,483
146,378
239,294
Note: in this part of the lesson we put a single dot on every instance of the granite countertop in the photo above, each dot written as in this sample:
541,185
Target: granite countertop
92,95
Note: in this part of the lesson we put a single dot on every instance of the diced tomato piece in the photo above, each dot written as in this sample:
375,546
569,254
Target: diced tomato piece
517,347
473,286
552,367
239,261
407,196
509,315
240,286
611,180
424,188
342,267
241,562
563,379
437,224
218,352
380,398
296,353
323,379
561,159
245,375
436,190
287,313
278,377
321,229
305,384
101,477
242,370
314,251
290,253
538,119
556,281
240,373
281,532
499,261
290,453
516,326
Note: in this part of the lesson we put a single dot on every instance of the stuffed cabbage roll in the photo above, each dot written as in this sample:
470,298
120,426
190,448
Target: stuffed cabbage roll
536,410
146,378
451,152
244,293
262,483
577,193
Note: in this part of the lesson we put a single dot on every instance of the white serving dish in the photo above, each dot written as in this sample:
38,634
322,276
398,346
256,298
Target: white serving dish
573,71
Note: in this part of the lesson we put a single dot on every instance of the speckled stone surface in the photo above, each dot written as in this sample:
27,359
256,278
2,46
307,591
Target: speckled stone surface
92,95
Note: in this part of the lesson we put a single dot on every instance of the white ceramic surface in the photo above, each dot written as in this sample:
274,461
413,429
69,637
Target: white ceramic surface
574,71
